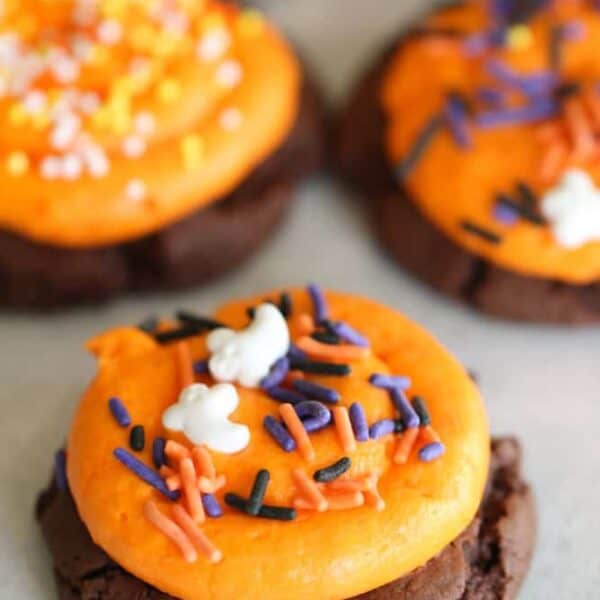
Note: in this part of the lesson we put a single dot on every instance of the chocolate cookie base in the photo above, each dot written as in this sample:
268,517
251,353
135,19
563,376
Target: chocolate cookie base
190,252
487,562
416,244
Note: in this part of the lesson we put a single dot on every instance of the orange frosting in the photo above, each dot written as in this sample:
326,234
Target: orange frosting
350,548
451,184
119,118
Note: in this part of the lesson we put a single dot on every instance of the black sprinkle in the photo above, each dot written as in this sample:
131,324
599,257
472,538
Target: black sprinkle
320,368
277,513
251,312
205,323
333,471
137,438
285,305
257,495
555,47
526,195
149,324
473,375
566,90
524,212
419,147
485,234
399,426
325,337
421,410
181,333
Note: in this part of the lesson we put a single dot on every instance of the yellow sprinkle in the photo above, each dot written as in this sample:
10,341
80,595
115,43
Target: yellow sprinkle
213,21
250,23
17,114
143,37
99,54
192,151
40,120
519,37
168,90
17,163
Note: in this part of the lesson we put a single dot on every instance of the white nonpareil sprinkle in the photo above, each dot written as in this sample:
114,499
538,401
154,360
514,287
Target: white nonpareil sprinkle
231,119
136,190
134,146
96,161
65,131
213,44
64,69
51,167
144,123
229,73
72,166
110,32
89,102
35,102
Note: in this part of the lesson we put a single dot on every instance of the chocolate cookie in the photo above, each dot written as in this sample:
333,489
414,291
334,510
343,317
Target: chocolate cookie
422,248
488,561
192,251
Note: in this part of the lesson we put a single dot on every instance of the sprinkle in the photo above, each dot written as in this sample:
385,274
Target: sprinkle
137,438
457,114
231,119
297,431
169,90
208,486
202,323
316,391
144,123
421,409
285,305
294,353
324,337
134,146
279,433
72,166
320,368
185,368
60,471
345,501
119,412
51,167
135,190
170,529
194,533
17,163
526,195
175,451
320,416
332,472
522,211
505,213
390,382
310,490
144,473
201,367
404,445
403,406
519,37
229,73
318,350
553,161
536,111
320,308
284,395
189,483
192,151
344,428
350,335
278,513
424,139
211,506
277,373
359,422
65,132
213,44
381,428
580,129
491,96
109,32
158,452
484,234
149,324
432,451
257,495
373,498
181,333
537,84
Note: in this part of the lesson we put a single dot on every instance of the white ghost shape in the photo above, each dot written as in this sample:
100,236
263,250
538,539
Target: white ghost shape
202,414
247,356
573,209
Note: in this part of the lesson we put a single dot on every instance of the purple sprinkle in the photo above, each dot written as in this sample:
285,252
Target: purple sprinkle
60,471
279,433
284,395
294,353
277,373
201,367
456,116
514,116
319,415
505,213
491,96
145,473
316,391
476,44
158,452
321,312
431,451
211,506
359,422
535,84
381,428
409,417
119,412
573,31
390,382
350,335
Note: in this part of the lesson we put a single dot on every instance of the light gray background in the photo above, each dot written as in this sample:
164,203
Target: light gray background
540,383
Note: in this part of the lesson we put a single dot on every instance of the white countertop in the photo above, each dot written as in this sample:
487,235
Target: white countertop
540,383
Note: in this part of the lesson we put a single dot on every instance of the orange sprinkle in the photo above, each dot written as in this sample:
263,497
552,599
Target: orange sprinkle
297,431
553,161
345,501
310,490
592,103
343,352
167,471
305,324
169,528
428,435
342,486
343,426
173,482
404,445
303,504
175,451
551,132
203,462
191,491
185,366
373,498
210,486
293,375
579,129
196,535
